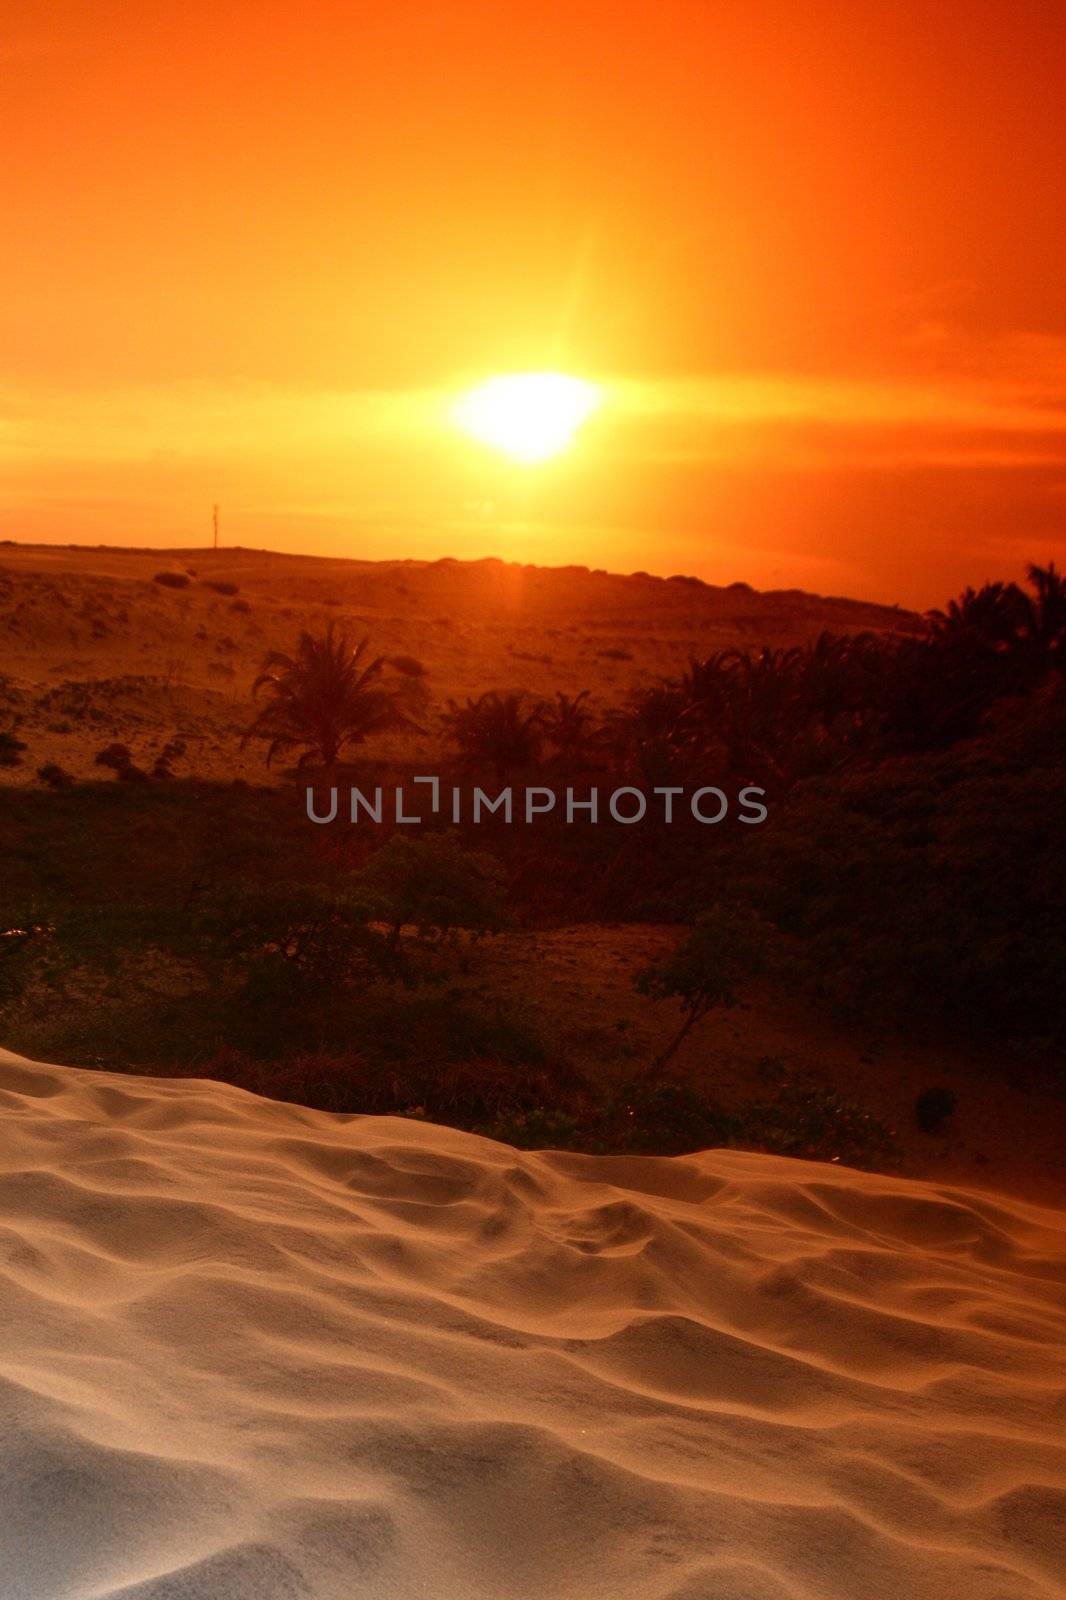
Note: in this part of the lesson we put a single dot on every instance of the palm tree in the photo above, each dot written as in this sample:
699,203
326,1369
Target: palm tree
323,698
570,728
992,619
1049,612
498,728
743,705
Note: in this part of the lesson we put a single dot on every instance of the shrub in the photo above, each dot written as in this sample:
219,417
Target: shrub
221,586
542,1128
928,888
812,1122
471,1095
114,755
815,1123
434,885
56,777
664,1119
429,1026
172,580
10,750
933,1107
317,931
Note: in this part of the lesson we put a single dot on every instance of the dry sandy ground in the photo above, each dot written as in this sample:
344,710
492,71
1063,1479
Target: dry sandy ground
96,650
1008,1131
256,1352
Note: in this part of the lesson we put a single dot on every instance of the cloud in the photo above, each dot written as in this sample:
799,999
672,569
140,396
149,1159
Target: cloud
1009,406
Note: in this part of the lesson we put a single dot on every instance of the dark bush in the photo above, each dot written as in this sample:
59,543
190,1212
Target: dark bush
11,750
462,1094
54,776
321,931
815,1122
430,1025
114,755
432,884
172,580
933,1107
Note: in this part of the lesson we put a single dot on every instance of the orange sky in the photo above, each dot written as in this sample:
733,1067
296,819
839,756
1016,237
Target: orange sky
815,253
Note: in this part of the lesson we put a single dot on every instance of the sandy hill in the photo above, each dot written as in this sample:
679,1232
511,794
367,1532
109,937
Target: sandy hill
93,648
257,1352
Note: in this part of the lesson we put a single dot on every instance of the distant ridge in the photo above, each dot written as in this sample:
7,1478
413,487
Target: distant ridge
877,614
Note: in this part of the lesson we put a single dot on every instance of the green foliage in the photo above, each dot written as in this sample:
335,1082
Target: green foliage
654,1118
464,1093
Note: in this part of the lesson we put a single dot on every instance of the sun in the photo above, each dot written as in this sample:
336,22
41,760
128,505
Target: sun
528,415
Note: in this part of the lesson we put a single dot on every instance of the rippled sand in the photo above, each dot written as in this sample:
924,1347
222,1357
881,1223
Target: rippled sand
251,1350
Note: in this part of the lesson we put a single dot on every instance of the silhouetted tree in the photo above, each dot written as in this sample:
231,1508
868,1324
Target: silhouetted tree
324,698
704,968
1049,613
569,726
499,728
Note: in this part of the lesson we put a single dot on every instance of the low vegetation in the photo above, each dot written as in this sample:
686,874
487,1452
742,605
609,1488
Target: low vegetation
909,871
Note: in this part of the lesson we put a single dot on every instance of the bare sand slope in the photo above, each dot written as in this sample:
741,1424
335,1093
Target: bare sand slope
251,1350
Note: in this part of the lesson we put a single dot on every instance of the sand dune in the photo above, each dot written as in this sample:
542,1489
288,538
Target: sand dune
251,1350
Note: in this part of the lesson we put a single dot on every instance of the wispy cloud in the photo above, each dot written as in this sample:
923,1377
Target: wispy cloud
975,403
1004,403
